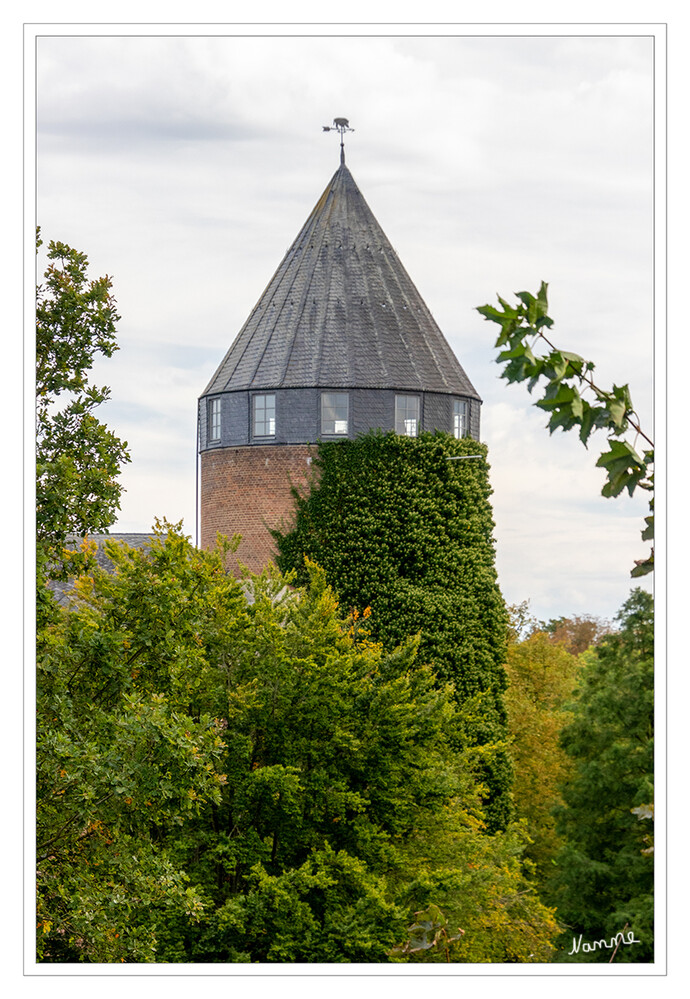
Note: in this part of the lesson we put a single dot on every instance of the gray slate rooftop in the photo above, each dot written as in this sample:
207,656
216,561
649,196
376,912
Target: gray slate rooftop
341,312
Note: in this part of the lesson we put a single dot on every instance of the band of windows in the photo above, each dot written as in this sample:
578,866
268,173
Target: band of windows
335,416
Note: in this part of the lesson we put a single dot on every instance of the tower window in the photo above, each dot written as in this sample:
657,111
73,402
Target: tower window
214,419
407,415
334,412
459,418
264,415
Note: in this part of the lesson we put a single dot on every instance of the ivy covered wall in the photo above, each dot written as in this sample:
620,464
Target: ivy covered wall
400,528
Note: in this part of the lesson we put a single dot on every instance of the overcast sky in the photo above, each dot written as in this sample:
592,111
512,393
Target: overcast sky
185,166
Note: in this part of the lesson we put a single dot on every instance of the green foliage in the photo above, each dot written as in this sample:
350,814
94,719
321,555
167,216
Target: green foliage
604,876
541,678
430,929
566,377
478,883
128,747
330,909
77,458
230,772
400,529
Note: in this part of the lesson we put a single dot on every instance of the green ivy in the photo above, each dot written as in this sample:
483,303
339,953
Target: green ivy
403,526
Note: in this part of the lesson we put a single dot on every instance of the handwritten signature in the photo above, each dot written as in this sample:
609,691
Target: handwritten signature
587,948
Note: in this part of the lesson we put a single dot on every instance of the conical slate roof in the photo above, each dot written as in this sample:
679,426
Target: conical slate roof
341,312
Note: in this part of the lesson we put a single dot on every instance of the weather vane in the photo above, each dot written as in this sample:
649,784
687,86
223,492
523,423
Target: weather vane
341,125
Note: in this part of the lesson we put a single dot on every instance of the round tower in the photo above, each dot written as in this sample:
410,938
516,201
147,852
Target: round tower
339,343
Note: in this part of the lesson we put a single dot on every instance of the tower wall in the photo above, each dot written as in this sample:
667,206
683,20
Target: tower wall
340,316
247,491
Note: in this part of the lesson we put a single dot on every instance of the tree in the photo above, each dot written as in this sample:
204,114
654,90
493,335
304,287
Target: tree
127,748
604,873
488,906
541,679
403,527
567,378
77,458
233,771
577,633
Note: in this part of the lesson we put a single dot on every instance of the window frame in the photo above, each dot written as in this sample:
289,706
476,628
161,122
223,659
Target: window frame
255,398
402,416
461,415
335,420
214,419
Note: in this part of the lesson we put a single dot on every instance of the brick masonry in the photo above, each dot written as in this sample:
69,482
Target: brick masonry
247,491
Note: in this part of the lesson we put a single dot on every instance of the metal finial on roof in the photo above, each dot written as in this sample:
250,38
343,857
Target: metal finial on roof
340,125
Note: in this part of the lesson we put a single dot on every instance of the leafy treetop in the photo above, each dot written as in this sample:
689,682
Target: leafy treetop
77,458
224,779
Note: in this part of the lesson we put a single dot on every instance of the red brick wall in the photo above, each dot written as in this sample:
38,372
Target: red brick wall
246,490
